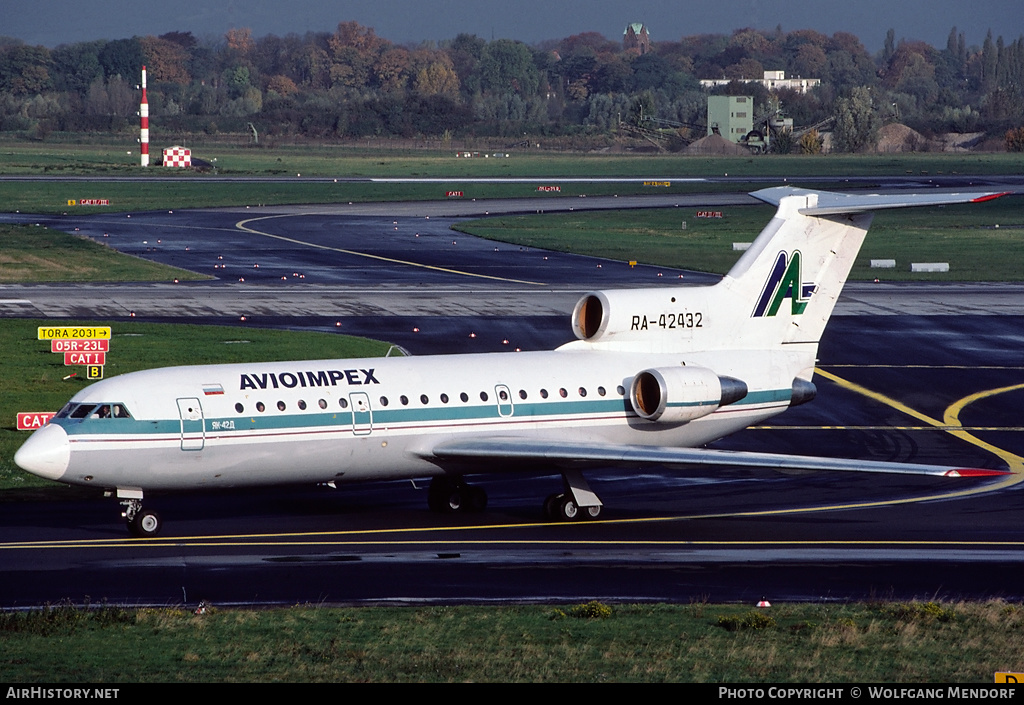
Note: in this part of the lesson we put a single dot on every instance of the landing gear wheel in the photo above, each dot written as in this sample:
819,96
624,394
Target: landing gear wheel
567,510
453,501
551,506
447,496
145,523
591,512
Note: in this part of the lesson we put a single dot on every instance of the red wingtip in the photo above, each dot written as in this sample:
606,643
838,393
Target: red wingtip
976,472
990,197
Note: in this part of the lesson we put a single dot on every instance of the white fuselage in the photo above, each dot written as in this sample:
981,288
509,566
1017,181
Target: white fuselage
379,418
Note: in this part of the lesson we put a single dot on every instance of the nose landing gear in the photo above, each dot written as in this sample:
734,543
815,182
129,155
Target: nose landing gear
142,523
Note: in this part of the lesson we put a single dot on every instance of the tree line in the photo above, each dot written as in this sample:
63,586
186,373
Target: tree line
352,83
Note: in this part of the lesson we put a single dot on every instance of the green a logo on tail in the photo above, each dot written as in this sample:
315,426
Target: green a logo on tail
784,283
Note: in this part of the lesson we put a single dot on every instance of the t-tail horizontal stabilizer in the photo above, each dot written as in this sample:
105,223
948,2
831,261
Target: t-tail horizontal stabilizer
831,203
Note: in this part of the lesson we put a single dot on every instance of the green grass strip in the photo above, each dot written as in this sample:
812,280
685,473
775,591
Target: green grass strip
981,242
32,253
911,642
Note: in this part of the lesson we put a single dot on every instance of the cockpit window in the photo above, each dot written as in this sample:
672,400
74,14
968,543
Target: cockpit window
95,411
65,412
82,411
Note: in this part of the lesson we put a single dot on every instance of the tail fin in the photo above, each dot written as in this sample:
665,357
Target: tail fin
784,288
781,291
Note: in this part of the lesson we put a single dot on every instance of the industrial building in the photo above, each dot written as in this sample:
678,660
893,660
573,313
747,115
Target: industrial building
731,115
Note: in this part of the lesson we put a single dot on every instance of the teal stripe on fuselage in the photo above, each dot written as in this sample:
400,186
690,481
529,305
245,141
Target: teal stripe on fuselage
766,396
385,416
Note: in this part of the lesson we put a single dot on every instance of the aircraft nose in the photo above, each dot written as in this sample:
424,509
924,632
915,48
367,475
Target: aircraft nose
46,453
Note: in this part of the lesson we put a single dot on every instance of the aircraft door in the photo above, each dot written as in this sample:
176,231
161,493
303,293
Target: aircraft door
362,414
504,398
193,427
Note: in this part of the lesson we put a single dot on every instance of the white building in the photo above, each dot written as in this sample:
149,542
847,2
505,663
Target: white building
773,81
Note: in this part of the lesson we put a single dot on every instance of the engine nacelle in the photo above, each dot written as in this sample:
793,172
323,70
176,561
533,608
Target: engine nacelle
803,392
680,394
625,315
591,316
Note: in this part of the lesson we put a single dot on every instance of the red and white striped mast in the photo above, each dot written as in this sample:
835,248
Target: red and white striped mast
144,114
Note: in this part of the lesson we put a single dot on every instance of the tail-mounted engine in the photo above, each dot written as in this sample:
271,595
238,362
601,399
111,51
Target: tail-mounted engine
590,317
680,394
633,315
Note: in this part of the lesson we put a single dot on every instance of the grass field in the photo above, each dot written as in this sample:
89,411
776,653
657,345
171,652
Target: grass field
71,157
591,643
967,237
30,253
333,160
175,194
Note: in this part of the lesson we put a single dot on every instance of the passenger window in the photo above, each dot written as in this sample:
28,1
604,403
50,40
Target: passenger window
259,407
302,405
601,391
280,406
383,401
423,399
323,403
543,394
239,408
562,393
343,403
444,398
464,397
522,393
583,391
620,390
483,396
404,399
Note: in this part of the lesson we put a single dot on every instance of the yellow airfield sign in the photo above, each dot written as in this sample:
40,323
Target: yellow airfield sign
1009,677
74,332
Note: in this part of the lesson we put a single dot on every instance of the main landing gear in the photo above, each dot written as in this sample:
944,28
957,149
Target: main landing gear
142,523
452,494
575,503
563,507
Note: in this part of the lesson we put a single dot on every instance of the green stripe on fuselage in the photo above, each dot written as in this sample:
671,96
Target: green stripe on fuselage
386,416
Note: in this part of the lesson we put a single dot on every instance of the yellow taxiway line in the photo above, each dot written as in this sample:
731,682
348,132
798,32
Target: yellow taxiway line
950,423
242,225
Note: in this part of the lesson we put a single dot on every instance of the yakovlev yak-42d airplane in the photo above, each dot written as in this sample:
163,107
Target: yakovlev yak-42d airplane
655,375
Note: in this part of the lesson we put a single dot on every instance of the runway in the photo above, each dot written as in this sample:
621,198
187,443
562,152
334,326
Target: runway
924,373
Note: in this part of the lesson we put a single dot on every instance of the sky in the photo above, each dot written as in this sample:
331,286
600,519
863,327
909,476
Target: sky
53,22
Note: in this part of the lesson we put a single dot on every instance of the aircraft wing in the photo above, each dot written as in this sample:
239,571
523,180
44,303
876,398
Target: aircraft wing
556,452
